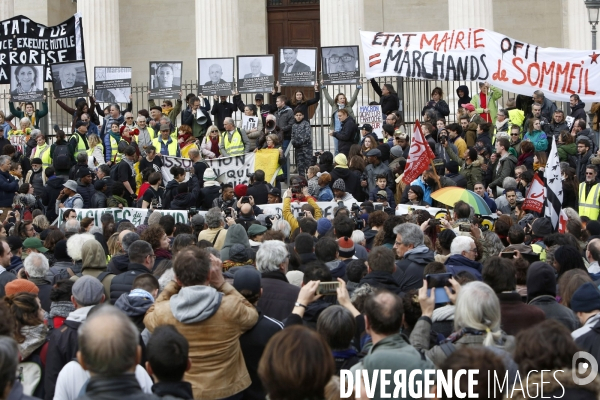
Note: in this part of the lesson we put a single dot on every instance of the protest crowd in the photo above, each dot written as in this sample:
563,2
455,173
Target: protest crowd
237,303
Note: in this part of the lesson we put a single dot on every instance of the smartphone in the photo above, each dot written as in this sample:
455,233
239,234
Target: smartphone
464,227
507,254
378,207
438,282
328,288
245,199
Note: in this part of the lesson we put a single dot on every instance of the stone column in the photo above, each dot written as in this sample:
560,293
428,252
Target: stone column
470,14
340,22
101,33
577,31
217,28
7,9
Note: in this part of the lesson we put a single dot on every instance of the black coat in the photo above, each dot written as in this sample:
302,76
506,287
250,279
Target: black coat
381,279
346,135
98,200
49,196
207,195
260,191
122,283
409,270
279,296
86,192
388,103
118,264
62,348
222,111
350,178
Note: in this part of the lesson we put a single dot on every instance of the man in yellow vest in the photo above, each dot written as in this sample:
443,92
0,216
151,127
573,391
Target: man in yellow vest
589,206
234,142
165,144
42,151
78,142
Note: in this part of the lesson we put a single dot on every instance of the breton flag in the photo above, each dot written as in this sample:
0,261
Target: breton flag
419,157
536,195
554,190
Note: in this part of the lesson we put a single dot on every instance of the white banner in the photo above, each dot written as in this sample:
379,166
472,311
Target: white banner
235,169
477,54
249,122
135,215
277,208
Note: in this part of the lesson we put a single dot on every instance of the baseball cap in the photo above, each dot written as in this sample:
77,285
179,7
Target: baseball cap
80,123
34,243
275,192
87,291
83,172
165,127
259,97
367,127
469,107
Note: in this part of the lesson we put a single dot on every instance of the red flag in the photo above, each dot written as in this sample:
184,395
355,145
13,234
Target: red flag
562,221
419,157
536,195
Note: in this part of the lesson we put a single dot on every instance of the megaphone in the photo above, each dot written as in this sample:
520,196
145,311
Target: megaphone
271,125
201,117
222,178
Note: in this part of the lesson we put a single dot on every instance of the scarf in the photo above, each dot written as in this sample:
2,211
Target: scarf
454,337
162,253
121,200
116,136
230,264
214,146
483,103
166,110
522,158
499,125
35,336
60,309
141,293
536,166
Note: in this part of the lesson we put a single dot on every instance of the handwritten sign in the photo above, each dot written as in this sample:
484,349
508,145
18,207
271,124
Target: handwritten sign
249,122
372,115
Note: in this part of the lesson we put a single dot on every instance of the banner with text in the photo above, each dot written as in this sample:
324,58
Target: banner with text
135,215
373,116
477,54
235,169
23,41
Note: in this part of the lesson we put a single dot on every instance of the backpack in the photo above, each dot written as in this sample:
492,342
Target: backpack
61,159
113,171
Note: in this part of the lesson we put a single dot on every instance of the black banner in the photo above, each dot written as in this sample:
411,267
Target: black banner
23,41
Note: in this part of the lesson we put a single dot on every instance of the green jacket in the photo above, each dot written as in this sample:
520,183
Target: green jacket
393,353
335,108
173,113
493,95
472,172
38,113
566,150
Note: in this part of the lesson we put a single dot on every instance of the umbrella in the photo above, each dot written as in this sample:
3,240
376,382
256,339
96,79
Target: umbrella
452,194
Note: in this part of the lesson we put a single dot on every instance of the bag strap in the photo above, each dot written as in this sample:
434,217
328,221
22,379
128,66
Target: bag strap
216,237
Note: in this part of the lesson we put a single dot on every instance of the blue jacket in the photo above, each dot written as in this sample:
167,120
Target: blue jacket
490,202
390,196
457,263
426,189
8,187
325,194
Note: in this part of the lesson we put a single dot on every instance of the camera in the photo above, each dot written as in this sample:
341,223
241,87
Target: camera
434,222
245,199
443,140
192,211
301,214
359,223
250,175
464,227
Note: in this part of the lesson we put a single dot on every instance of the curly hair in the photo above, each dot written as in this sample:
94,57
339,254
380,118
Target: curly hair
54,236
25,309
153,235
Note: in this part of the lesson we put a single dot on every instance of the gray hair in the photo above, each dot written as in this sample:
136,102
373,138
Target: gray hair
82,157
36,265
283,226
75,243
229,120
460,244
25,120
35,133
482,315
72,225
108,353
193,153
270,255
4,159
539,93
214,252
9,358
509,183
128,239
358,236
571,214
214,218
410,233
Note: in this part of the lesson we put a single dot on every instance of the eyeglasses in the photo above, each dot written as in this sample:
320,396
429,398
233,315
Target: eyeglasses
214,130
152,255
164,105
514,134
345,58
589,173
129,118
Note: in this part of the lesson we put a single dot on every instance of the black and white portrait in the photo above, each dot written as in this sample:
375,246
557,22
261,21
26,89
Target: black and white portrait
27,82
112,84
215,76
69,79
297,66
165,79
340,64
255,74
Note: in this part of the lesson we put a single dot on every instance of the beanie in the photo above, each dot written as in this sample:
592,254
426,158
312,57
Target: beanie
341,161
19,286
323,226
240,190
339,184
345,247
541,280
585,299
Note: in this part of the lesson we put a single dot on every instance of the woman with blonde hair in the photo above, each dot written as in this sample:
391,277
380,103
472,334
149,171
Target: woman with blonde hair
113,245
210,143
95,152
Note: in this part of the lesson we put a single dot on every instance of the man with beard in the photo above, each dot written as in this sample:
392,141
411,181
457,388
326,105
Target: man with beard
584,154
589,205
557,125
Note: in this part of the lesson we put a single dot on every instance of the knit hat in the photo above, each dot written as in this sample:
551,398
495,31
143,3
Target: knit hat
452,166
19,286
60,251
83,172
341,161
238,253
14,242
295,278
397,152
469,107
593,227
87,291
345,247
323,226
37,161
339,184
541,280
256,229
585,299
34,243
99,184
209,175
247,279
542,227
240,190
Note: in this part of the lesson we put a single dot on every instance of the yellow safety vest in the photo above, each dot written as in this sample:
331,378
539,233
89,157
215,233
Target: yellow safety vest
43,153
156,135
588,206
116,157
171,147
81,145
235,147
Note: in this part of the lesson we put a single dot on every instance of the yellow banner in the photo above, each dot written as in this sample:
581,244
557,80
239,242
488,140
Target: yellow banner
268,161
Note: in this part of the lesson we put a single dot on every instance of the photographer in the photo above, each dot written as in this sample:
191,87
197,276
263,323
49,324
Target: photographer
258,188
184,198
248,200
309,210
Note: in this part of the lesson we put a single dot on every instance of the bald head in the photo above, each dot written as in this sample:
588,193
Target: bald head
108,343
246,209
384,313
593,250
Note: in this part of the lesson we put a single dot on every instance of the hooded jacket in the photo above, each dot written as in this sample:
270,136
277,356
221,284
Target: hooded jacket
212,320
351,179
380,279
184,201
466,99
51,192
505,168
235,234
578,112
409,270
135,308
170,193
458,263
118,264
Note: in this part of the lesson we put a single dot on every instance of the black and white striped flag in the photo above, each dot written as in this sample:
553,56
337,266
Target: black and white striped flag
554,189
